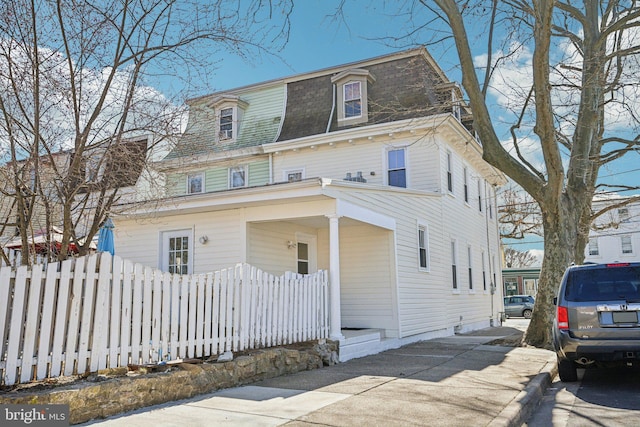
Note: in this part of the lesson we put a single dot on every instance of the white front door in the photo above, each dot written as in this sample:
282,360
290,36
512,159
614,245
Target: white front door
177,251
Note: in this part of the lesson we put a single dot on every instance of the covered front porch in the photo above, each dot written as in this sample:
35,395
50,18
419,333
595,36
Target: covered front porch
357,247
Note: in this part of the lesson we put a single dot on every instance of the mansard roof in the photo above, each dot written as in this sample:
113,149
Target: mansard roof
400,86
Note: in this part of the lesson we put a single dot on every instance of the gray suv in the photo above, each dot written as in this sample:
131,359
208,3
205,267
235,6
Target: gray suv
519,306
597,317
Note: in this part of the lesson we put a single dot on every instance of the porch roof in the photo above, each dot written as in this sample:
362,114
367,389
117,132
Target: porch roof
308,190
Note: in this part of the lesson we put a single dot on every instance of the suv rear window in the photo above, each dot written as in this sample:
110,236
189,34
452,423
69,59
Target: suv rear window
598,284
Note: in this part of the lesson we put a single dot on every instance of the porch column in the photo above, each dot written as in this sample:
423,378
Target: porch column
335,325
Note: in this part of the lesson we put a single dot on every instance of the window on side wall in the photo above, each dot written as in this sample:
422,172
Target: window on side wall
627,246
465,176
484,272
593,247
449,172
195,183
470,266
396,166
423,247
237,177
454,268
479,196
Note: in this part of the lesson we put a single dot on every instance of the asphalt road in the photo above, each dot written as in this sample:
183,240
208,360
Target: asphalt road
600,397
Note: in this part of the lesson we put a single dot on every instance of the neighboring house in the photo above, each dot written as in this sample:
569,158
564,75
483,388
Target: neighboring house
521,281
370,170
615,235
120,167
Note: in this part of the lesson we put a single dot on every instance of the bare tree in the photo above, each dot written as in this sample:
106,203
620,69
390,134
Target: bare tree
583,59
518,214
518,259
76,97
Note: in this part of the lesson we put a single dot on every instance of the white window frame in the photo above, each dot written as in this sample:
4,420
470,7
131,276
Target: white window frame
465,177
593,248
286,173
405,160
341,80
455,105
484,271
192,176
455,279
470,268
423,247
346,100
312,245
626,244
226,134
623,214
235,169
449,164
165,237
480,195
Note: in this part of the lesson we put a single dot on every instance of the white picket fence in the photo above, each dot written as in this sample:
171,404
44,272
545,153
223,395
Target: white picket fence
15,258
89,313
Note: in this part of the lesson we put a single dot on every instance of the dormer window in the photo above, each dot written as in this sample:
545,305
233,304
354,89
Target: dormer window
351,94
228,115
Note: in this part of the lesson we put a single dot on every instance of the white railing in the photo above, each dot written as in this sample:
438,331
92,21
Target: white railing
89,313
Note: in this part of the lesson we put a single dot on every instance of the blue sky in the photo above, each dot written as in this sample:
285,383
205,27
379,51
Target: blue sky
318,41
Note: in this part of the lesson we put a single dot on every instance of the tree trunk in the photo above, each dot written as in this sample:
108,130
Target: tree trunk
560,237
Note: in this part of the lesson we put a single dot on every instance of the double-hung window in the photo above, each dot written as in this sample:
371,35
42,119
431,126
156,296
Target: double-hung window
484,273
465,176
423,247
237,177
593,247
454,268
479,196
195,183
351,96
226,123
449,172
627,246
470,266
397,170
352,99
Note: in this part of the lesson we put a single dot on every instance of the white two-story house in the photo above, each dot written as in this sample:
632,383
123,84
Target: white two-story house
615,235
370,170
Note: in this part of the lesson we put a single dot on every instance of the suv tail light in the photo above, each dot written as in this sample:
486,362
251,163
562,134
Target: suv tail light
563,318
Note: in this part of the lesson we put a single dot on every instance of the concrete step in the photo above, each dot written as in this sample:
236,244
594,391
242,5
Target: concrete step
360,343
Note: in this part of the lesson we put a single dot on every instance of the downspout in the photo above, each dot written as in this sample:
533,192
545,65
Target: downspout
333,108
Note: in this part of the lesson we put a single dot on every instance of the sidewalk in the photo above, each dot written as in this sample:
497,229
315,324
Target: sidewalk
464,380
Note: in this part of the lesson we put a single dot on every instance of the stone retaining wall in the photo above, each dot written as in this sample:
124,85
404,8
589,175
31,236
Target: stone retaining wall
111,392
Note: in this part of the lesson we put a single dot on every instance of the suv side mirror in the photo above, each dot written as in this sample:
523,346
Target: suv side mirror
555,300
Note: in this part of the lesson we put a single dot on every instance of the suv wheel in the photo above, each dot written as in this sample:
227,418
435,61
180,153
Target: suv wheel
567,371
526,314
